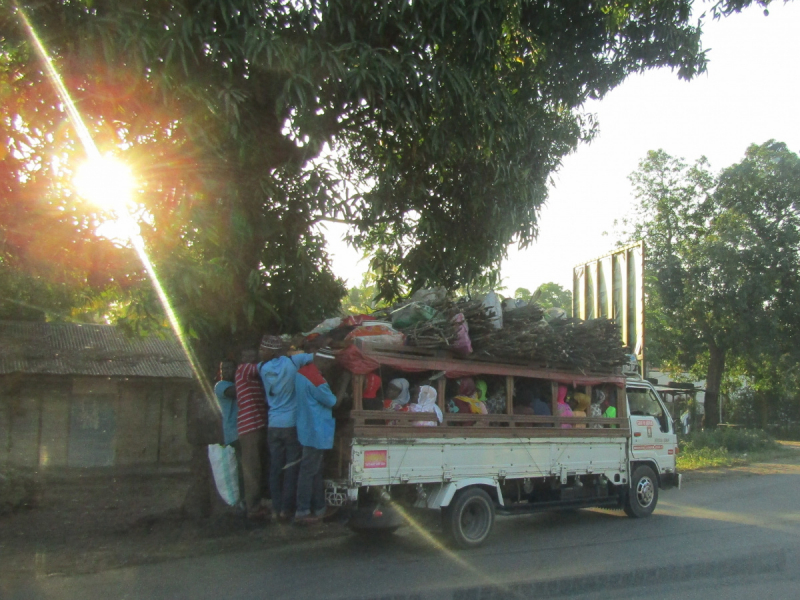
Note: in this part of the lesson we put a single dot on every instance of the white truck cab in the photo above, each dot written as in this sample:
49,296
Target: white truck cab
653,435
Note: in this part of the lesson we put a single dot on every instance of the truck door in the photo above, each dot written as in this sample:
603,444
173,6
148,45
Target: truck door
652,435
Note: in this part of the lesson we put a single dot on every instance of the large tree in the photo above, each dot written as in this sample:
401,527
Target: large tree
723,260
432,127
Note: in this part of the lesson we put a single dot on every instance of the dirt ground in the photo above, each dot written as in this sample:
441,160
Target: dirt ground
89,522
85,522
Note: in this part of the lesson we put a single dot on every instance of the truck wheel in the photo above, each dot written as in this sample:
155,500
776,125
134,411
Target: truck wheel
470,517
643,493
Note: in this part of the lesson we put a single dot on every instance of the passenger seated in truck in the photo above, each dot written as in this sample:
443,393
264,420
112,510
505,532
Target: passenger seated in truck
425,397
481,388
371,397
562,407
468,393
609,411
492,395
522,406
580,403
458,403
594,411
528,401
397,396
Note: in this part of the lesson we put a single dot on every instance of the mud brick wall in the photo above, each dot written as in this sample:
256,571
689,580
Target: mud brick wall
51,422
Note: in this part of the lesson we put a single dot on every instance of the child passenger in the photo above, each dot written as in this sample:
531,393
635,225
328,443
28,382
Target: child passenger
426,403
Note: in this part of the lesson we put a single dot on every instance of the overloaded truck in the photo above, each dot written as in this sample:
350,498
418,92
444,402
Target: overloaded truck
472,467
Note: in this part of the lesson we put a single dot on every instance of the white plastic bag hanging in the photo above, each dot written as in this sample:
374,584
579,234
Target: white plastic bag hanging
226,472
492,302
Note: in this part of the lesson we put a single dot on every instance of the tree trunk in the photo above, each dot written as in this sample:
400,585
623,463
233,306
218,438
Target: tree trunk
716,366
763,410
203,427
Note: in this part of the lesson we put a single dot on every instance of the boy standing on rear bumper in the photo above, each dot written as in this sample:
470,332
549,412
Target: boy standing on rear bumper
278,372
315,428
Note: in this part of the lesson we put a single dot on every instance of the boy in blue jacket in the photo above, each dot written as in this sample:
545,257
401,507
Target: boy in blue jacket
278,372
315,428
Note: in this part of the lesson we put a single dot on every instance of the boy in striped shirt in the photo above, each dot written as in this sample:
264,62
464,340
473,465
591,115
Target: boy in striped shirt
252,429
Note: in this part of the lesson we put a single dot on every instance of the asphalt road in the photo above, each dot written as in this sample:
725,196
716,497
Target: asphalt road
728,537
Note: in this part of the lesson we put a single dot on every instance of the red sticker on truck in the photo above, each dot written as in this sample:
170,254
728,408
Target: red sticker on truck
644,423
375,459
649,447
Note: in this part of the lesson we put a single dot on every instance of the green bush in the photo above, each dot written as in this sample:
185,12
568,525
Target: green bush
703,458
729,439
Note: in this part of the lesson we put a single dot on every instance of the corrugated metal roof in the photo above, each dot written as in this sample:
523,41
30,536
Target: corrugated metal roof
83,349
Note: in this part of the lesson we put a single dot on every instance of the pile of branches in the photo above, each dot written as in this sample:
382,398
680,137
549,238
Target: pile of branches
442,330
484,332
570,343
525,336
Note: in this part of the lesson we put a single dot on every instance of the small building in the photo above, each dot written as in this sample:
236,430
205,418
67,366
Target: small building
82,395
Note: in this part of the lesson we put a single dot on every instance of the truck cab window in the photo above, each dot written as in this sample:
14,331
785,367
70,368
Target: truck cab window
643,402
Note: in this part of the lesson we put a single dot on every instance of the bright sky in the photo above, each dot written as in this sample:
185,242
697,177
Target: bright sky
750,94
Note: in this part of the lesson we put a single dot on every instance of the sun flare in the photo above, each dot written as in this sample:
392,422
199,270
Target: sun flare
105,182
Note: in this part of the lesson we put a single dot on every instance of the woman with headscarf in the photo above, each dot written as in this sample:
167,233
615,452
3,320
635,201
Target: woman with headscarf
563,409
468,395
582,403
595,410
397,395
370,399
426,403
466,387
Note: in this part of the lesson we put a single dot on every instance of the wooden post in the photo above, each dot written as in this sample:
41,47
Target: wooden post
622,403
358,392
441,383
554,402
509,394
588,389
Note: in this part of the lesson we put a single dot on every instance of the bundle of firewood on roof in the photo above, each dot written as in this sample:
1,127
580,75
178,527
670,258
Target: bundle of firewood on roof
525,336
561,343
441,331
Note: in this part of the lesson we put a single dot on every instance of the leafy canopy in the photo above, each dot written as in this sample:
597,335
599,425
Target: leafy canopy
433,127
549,295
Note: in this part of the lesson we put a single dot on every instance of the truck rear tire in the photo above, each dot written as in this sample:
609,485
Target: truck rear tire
643,493
470,517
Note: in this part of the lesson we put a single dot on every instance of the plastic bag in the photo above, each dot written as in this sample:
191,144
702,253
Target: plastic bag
351,359
326,326
429,296
492,302
555,314
411,314
226,472
354,320
510,304
377,334
462,344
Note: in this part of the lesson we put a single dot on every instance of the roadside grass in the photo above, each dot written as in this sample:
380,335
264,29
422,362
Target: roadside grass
727,448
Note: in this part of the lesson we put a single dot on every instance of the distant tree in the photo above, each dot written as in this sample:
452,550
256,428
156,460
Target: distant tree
523,294
363,299
552,295
723,270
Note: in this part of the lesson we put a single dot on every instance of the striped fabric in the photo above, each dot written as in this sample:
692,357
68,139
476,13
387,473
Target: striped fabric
251,399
